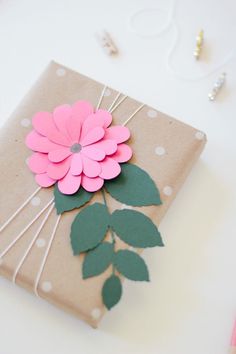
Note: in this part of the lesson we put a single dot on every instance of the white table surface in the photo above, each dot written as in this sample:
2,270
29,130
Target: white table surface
190,305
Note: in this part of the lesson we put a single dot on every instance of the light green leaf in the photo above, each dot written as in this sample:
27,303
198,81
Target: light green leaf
89,228
134,187
65,202
131,265
111,291
98,260
135,229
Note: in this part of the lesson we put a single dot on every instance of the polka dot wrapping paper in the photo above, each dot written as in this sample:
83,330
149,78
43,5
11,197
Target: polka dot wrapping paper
38,243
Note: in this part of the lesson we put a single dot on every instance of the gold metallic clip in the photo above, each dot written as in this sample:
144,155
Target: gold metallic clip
199,44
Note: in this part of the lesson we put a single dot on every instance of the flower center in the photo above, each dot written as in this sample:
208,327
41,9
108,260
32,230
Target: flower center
75,148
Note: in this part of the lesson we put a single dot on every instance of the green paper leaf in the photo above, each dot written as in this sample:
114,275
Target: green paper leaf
135,229
89,228
98,260
111,291
134,187
65,202
131,265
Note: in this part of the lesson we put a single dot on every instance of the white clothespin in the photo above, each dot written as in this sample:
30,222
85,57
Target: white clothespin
106,42
217,87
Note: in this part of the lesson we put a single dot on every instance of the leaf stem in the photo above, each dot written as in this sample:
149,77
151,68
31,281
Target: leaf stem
110,229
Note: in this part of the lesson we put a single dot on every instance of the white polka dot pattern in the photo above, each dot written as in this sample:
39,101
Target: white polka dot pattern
35,201
46,286
61,72
107,92
40,242
160,150
25,122
96,313
199,135
124,206
152,113
167,190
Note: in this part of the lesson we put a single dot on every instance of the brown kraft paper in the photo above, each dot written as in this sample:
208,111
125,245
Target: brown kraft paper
61,281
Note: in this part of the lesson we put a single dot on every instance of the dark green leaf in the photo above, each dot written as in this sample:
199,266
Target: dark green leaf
111,291
89,228
65,202
131,265
98,260
134,187
135,229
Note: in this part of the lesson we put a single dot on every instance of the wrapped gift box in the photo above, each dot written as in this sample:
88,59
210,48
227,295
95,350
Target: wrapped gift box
163,146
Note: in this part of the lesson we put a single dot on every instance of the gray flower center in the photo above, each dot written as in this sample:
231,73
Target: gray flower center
75,148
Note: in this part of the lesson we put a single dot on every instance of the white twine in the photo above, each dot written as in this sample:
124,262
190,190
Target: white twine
101,97
117,105
32,243
19,209
25,229
46,256
133,114
115,100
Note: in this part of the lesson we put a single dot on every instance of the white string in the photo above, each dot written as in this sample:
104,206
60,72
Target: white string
19,210
115,100
32,243
46,256
25,229
117,105
171,21
101,97
133,114
158,32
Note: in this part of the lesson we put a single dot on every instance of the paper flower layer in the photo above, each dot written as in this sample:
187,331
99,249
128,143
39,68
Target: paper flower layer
76,146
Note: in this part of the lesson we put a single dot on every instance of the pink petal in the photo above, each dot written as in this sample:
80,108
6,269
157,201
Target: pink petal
81,110
93,136
110,168
91,168
43,123
39,143
107,117
69,184
60,116
59,138
58,170
123,153
73,129
117,133
93,153
92,184
93,121
44,181
59,155
76,164
38,162
108,146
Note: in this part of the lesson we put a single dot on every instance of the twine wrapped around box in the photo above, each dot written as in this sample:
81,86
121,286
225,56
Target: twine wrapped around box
35,246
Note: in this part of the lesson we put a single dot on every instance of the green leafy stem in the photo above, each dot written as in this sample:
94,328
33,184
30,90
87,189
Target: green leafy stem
91,225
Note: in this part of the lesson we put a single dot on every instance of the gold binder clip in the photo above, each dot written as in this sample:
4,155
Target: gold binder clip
199,44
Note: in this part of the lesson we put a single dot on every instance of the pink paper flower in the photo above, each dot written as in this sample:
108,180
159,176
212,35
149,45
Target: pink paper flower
76,146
